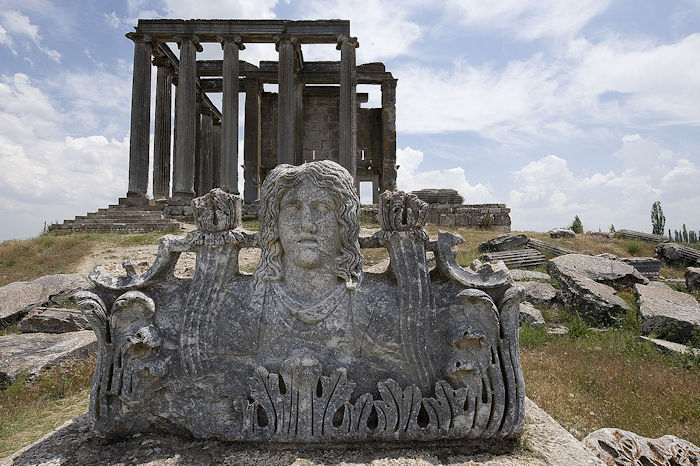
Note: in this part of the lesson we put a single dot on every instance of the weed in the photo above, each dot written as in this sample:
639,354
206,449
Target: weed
8,328
531,337
633,246
578,328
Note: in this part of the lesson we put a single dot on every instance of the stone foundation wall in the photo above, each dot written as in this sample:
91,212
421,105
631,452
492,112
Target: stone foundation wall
487,216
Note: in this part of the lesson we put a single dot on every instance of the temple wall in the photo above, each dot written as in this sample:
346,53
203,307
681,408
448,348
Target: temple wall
487,216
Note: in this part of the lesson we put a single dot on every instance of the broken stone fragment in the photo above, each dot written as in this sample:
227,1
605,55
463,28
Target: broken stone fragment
616,446
692,278
561,233
529,314
16,299
53,320
667,313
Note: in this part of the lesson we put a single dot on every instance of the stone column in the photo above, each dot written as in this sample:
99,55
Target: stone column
140,116
347,118
228,173
388,181
186,116
286,123
161,138
216,153
197,148
251,142
206,152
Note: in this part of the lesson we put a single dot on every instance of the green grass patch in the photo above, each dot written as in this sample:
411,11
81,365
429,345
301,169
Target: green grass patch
30,409
634,247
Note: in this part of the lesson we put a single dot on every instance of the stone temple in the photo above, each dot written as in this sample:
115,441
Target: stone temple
315,114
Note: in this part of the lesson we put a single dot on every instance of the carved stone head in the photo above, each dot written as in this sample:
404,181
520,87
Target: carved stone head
309,214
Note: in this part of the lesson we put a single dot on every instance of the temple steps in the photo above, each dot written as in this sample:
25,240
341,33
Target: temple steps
134,219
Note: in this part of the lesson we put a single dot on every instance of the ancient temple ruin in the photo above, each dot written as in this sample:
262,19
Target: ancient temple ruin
315,115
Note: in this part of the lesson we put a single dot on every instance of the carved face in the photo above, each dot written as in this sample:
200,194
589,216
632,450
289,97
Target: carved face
308,229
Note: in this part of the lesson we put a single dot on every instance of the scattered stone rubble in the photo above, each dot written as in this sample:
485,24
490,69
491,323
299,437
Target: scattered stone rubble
18,298
667,313
32,352
692,278
620,447
676,254
561,233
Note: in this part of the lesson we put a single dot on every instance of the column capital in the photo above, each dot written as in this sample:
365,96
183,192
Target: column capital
285,38
216,122
162,62
194,39
251,84
138,37
389,83
346,40
236,39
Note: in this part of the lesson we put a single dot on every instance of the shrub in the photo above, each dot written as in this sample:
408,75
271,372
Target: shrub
577,226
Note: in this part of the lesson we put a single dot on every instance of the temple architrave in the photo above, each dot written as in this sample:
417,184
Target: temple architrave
315,114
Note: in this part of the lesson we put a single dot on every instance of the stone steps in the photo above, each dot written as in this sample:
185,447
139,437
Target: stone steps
136,219
517,259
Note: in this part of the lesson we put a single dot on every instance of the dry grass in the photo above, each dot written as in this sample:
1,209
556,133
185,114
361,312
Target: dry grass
31,409
59,252
612,380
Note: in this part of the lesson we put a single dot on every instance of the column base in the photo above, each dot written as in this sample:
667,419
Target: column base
179,198
135,200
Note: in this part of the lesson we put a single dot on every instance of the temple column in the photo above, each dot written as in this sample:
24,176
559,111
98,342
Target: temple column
206,152
216,153
162,130
228,164
286,99
251,142
347,118
197,148
140,116
186,117
388,181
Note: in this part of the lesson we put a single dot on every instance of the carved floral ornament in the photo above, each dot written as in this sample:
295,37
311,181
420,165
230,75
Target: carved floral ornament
308,348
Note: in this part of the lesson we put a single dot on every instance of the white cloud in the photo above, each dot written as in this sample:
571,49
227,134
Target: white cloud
383,28
583,91
410,178
528,19
14,22
113,20
547,193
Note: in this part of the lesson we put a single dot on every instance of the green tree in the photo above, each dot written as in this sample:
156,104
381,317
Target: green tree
685,234
669,235
612,228
577,226
658,221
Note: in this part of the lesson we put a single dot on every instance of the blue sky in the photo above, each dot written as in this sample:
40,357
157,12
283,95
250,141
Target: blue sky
556,108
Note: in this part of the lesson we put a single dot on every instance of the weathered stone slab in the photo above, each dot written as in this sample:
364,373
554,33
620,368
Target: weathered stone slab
561,233
647,266
32,352
72,443
616,446
16,298
504,243
667,313
522,275
692,278
595,301
539,293
53,320
669,347
529,314
439,196
676,254
600,269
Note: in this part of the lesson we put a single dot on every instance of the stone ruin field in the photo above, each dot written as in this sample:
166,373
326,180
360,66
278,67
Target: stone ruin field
602,344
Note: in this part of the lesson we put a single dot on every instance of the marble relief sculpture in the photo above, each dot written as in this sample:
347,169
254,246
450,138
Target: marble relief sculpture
308,348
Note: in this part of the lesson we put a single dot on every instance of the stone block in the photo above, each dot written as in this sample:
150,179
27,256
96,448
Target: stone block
53,320
667,313
31,352
530,315
692,278
600,269
16,299
616,446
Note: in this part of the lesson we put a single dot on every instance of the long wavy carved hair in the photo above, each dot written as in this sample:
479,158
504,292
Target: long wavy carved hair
339,184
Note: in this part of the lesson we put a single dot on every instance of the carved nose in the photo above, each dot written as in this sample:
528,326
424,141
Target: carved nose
307,220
